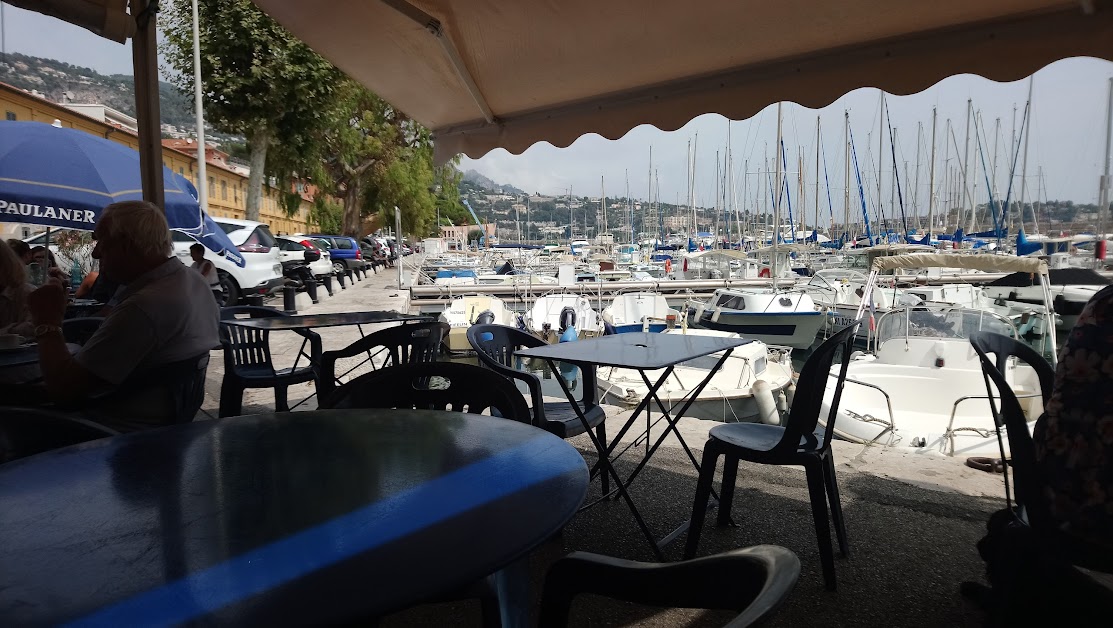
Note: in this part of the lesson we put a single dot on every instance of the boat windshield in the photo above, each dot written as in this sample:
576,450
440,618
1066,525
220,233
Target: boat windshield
829,278
940,322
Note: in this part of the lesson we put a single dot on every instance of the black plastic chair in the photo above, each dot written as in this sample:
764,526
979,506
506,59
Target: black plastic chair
247,361
753,581
1032,508
459,387
182,386
25,432
495,345
414,342
78,331
797,442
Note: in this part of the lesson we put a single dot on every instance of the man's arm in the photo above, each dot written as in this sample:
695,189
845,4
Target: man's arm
65,379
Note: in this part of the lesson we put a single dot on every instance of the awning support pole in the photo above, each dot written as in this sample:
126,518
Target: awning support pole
145,60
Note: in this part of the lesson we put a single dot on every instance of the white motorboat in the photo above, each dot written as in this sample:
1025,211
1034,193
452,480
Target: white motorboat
552,316
466,311
728,397
640,311
1071,289
840,290
772,316
923,388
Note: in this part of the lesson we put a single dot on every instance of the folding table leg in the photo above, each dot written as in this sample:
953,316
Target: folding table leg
604,459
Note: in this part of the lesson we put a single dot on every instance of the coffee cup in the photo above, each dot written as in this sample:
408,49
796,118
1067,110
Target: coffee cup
10,341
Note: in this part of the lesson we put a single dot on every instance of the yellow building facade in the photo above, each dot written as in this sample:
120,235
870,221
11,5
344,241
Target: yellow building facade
227,188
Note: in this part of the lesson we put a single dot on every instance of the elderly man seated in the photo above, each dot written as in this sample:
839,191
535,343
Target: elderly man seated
144,366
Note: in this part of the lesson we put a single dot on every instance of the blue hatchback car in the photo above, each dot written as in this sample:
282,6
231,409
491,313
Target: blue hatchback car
345,251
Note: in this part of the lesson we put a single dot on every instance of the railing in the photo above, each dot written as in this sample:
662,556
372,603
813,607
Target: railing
983,432
890,425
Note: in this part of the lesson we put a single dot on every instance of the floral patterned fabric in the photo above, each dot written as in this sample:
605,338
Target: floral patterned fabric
1074,438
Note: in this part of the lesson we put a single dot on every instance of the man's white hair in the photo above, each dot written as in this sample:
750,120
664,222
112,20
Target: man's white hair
139,223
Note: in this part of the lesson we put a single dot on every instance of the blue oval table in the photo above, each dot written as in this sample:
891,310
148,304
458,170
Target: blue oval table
285,519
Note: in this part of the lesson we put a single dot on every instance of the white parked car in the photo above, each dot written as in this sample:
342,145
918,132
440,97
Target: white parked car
293,248
262,272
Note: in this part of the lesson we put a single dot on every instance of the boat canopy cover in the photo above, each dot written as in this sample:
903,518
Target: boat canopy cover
989,263
1057,276
783,249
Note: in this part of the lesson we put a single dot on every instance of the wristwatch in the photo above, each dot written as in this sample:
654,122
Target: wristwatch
42,330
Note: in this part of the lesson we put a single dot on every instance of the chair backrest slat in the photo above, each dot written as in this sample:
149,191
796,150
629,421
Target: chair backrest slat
457,387
811,385
1009,414
246,346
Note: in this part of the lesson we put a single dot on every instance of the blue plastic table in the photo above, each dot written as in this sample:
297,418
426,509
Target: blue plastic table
295,518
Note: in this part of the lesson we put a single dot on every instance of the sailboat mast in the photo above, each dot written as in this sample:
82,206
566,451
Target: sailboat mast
817,178
967,202
1103,194
649,198
777,201
916,183
1025,130
846,175
692,189
603,205
880,159
931,179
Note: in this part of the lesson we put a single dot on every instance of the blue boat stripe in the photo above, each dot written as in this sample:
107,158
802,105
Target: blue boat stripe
536,460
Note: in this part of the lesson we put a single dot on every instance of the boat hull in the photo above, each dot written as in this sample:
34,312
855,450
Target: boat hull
797,330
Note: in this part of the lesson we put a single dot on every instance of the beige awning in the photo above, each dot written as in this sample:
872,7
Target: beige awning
484,74
984,262
107,18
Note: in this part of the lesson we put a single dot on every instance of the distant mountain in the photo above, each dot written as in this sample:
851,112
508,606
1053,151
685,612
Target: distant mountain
480,181
52,79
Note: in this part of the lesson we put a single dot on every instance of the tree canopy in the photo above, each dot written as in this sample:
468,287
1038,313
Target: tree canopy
257,79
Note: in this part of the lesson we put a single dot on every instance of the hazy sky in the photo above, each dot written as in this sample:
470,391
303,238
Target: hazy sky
1066,142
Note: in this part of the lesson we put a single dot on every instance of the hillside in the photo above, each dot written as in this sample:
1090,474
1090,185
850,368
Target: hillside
479,181
53,78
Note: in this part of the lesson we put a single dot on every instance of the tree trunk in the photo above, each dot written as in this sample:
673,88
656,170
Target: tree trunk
259,142
351,223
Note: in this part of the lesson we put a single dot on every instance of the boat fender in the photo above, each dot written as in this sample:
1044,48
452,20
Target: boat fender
699,311
764,272
766,405
486,317
790,392
715,316
569,335
567,318
782,402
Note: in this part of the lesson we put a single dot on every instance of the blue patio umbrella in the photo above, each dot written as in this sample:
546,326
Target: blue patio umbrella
61,177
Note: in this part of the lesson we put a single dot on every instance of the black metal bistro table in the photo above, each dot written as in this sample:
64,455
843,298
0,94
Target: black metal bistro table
286,519
643,352
330,319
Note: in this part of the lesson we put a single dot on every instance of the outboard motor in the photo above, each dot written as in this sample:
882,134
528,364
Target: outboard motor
486,317
567,318
568,324
506,269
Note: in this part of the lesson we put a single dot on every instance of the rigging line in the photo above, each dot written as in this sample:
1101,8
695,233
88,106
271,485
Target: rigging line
788,193
827,179
861,192
896,173
1012,173
989,188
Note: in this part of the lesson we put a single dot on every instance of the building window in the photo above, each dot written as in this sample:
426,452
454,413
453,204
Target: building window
212,187
9,116
181,171
223,190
